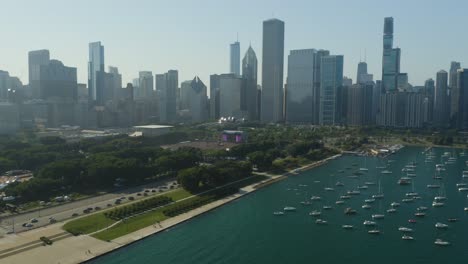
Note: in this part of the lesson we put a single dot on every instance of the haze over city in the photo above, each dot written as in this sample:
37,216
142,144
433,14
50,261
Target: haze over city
194,36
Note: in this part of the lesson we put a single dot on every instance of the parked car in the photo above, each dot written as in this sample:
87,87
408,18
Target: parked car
29,225
34,220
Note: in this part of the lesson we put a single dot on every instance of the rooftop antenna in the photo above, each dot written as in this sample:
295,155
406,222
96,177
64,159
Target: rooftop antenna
237,36
360,55
365,55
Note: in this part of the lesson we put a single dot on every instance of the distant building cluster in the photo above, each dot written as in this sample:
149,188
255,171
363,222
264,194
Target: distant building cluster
314,92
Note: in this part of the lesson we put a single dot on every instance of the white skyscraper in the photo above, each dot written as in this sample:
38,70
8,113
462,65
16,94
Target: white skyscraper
235,58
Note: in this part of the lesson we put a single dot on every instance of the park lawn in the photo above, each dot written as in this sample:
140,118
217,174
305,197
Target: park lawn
98,221
131,225
88,224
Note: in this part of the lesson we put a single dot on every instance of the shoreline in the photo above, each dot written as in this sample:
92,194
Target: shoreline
85,248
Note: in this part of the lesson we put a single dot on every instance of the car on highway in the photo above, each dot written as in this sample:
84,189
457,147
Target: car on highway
131,198
74,214
52,220
138,194
153,191
34,220
97,208
118,201
29,225
146,191
109,205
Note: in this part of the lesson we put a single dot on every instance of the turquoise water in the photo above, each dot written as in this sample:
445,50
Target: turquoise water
246,231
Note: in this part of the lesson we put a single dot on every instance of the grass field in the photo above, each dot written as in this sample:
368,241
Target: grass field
98,221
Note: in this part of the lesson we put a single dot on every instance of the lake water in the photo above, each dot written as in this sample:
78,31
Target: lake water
246,231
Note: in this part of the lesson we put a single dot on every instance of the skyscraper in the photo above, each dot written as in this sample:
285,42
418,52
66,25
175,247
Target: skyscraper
462,84
36,58
249,74
441,100
362,75
330,88
300,86
235,58
116,80
95,64
145,88
453,86
231,96
214,96
272,71
58,82
391,58
166,85
317,78
198,105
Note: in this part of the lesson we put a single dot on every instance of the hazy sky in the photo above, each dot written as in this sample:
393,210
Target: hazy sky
194,36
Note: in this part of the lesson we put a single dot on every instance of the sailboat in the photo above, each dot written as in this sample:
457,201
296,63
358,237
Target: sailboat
379,195
365,169
412,193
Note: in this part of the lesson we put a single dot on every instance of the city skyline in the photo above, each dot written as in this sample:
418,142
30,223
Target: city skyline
415,35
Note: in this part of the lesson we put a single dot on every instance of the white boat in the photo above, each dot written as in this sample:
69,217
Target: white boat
407,200
369,223
437,204
369,183
316,198
363,187
374,232
278,213
347,227
462,184
391,210
440,198
378,216
329,189
345,197
422,208
463,189
394,204
433,186
339,184
289,208
405,229
405,237
386,172
440,242
420,214
441,226
321,222
412,194
466,209
378,196
411,175
369,200
363,169
339,202
366,206
326,207
306,203
354,192
315,213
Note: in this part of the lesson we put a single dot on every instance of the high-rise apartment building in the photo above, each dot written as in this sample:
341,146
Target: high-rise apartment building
441,100
462,84
453,86
272,71
331,80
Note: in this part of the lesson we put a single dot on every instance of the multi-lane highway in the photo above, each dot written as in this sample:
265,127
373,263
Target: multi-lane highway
16,223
